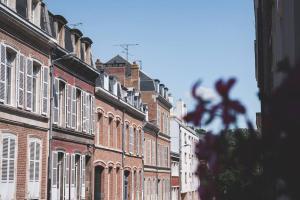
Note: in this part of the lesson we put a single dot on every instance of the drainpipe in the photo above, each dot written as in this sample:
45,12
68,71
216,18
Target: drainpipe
123,150
180,165
156,148
143,162
50,128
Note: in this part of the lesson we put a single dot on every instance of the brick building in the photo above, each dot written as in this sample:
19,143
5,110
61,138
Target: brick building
157,172
72,133
24,99
118,153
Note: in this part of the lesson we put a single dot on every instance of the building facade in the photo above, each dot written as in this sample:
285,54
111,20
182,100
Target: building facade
157,172
277,41
70,129
24,100
118,152
183,143
175,179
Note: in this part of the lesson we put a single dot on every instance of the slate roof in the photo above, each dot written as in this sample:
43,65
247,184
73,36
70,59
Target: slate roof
146,83
118,61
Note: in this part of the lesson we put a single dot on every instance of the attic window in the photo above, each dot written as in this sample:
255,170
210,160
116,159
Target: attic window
21,7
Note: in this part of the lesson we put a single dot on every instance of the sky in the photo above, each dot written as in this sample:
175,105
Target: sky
180,41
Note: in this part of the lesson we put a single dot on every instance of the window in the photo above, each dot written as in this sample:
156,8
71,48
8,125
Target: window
100,129
158,117
137,138
110,131
153,152
131,140
21,7
78,109
8,58
34,161
35,12
36,86
62,103
8,165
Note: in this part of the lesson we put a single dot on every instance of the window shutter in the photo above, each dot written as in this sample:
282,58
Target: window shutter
54,169
56,101
69,105
2,73
21,83
153,152
45,90
8,158
73,123
29,79
34,169
73,174
5,149
83,177
137,142
93,115
88,112
73,170
158,117
131,140
84,112
67,175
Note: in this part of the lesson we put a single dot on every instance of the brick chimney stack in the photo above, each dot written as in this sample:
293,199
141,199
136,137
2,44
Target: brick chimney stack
135,75
99,65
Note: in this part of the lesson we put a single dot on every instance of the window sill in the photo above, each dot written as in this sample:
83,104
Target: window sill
23,113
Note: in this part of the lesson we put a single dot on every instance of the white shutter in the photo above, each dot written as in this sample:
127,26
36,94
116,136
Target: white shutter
153,152
34,169
2,73
83,177
73,179
92,125
29,85
54,191
45,90
131,139
67,175
69,105
73,113
8,165
21,83
84,112
88,113
137,142
56,101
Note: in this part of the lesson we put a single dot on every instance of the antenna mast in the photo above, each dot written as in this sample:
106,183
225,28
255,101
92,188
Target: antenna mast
125,47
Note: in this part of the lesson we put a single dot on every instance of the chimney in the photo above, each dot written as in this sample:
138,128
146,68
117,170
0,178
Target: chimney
166,93
99,65
156,81
135,76
161,89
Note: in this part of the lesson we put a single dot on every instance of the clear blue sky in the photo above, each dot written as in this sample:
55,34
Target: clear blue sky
181,41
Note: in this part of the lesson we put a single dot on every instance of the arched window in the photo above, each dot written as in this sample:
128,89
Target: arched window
8,147
34,162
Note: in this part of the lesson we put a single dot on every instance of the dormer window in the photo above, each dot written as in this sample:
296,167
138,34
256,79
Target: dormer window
35,12
60,29
86,54
76,41
21,7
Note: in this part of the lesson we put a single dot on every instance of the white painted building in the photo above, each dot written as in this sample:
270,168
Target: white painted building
183,142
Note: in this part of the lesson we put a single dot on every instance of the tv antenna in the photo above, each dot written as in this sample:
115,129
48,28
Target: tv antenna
76,24
125,47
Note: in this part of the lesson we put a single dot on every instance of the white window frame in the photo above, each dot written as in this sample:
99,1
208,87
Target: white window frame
10,187
34,184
